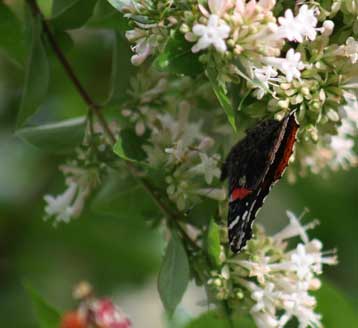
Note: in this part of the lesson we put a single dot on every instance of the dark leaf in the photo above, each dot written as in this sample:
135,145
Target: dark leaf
221,94
11,34
58,137
71,14
105,16
174,274
119,76
119,197
36,77
178,58
129,146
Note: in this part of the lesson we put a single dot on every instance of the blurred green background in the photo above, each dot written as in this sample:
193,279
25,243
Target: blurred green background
115,250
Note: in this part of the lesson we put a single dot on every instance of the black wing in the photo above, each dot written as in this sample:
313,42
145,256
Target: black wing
247,167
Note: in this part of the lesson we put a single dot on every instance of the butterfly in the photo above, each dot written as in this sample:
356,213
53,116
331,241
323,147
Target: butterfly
252,167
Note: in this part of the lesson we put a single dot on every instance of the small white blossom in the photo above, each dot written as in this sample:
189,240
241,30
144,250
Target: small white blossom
351,50
142,49
208,167
294,228
289,66
177,153
66,206
297,28
219,7
212,34
343,150
265,75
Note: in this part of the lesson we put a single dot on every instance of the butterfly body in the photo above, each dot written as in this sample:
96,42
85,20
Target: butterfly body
253,165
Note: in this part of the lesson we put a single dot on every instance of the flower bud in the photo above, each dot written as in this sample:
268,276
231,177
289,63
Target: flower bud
72,320
328,27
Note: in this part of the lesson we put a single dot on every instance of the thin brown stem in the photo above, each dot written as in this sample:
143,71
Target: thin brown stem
95,108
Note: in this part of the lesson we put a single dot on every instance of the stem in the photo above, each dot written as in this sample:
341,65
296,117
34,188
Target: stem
95,108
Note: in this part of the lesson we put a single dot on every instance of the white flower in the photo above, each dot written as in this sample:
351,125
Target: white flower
300,27
302,262
300,304
265,320
265,75
66,206
177,153
214,33
143,49
60,206
219,7
294,228
343,150
208,167
289,66
351,50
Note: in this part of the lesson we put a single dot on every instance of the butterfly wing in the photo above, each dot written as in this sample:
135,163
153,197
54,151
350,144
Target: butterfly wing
247,167
279,164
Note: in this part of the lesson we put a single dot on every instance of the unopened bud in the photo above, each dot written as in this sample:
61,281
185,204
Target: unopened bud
328,27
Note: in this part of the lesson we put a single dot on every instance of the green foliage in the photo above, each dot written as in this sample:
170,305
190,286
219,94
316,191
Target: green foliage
105,16
174,274
213,243
335,308
47,315
10,34
178,58
221,93
37,75
119,197
213,319
129,146
71,14
60,137
119,79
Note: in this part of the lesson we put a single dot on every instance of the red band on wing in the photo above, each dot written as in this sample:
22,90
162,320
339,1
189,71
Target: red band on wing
291,139
239,193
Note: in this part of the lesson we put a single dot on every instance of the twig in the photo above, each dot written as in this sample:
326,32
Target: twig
95,108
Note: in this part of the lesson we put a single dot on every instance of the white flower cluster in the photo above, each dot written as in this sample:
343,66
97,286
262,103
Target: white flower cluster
68,205
337,151
175,143
277,279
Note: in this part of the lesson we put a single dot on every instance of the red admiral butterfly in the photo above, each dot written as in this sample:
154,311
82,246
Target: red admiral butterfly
253,165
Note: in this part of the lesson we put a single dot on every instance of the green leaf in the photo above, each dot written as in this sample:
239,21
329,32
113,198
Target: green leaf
178,58
105,16
71,14
213,319
335,308
10,34
119,197
129,146
58,137
213,243
37,75
120,77
221,94
47,315
174,274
